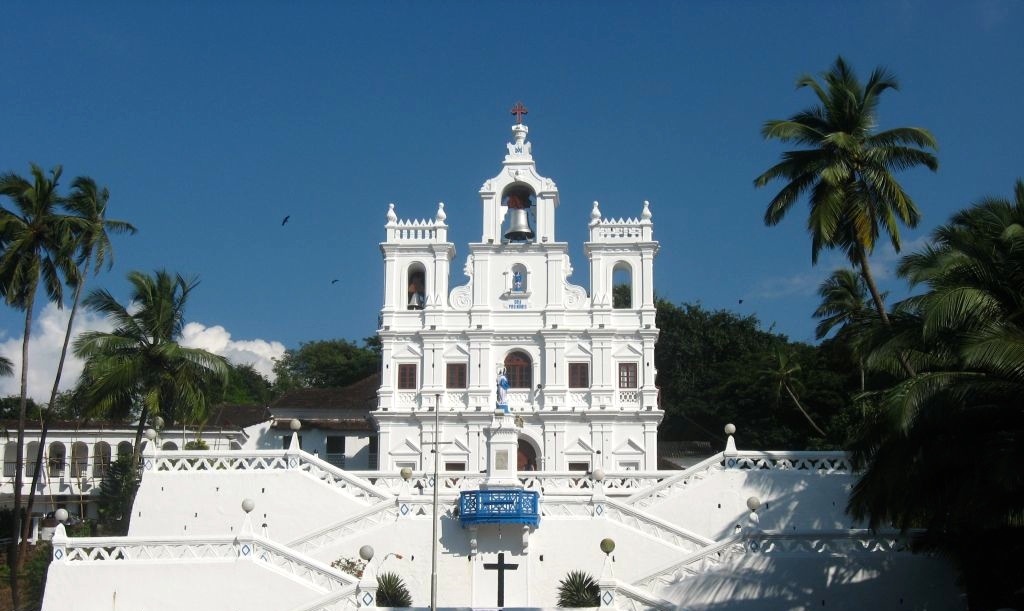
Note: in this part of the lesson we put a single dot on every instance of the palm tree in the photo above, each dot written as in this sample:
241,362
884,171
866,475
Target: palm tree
94,250
847,168
944,449
140,366
37,242
782,371
844,304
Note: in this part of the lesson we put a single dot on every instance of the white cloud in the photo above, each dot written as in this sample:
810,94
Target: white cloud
44,352
259,353
48,336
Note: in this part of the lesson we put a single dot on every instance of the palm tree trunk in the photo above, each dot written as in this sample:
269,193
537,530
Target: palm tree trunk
46,421
14,557
796,401
865,271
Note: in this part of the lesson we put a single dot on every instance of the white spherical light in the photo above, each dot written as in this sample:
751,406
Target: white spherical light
295,424
150,434
753,503
730,429
61,515
366,552
248,505
597,474
406,473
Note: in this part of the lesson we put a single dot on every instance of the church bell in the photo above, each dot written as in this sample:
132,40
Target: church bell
518,225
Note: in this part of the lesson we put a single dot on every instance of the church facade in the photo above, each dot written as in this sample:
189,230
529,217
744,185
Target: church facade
576,366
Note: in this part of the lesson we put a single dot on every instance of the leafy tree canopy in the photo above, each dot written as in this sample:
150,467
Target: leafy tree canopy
327,364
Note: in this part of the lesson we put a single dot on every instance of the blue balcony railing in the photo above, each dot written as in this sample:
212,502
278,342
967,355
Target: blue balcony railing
499,507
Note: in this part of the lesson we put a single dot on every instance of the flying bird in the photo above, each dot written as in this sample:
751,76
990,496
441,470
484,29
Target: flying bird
285,220
741,301
334,281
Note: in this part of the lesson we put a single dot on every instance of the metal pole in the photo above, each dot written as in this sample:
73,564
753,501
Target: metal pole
433,557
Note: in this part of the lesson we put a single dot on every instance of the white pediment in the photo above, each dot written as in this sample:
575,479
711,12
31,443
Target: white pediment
456,353
629,351
579,447
406,448
408,351
578,350
454,448
629,448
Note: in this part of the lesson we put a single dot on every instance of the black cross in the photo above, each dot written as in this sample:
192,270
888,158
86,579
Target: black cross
500,566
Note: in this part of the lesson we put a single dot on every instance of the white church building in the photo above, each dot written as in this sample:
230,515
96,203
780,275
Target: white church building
580,370
516,441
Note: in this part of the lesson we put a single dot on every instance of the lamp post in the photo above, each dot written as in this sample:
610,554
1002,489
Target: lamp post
433,556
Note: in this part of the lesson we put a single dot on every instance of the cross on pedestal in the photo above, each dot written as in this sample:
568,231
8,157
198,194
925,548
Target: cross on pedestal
519,110
501,567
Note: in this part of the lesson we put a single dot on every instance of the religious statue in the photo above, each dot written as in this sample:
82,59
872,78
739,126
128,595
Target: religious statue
517,281
502,385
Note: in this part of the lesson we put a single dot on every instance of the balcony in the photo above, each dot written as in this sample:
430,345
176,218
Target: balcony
499,507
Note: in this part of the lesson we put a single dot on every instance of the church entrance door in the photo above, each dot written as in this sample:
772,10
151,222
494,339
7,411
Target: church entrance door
527,456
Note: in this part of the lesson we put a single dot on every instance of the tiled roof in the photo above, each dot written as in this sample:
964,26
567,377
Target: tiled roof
354,400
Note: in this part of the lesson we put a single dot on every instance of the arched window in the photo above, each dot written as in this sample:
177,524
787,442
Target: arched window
79,459
100,459
416,294
58,454
519,199
11,458
622,286
169,445
519,370
31,451
124,449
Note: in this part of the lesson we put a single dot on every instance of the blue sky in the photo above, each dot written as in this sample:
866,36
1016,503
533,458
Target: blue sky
210,122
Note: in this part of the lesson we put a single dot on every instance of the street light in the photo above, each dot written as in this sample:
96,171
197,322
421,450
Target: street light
433,556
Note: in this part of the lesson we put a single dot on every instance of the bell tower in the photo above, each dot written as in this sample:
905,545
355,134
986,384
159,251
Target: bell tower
519,204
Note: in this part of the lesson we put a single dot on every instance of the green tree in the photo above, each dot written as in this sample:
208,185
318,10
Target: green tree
942,448
326,364
847,168
782,372
578,589
37,244
246,386
140,367
88,202
844,304
117,493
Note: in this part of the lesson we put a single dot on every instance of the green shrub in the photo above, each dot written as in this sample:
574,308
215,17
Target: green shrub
578,589
391,591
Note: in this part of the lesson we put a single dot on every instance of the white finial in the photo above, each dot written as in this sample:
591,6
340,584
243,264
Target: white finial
595,214
646,214
392,217
441,216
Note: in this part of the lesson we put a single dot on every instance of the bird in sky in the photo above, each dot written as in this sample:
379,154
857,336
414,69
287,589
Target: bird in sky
741,301
285,220
334,281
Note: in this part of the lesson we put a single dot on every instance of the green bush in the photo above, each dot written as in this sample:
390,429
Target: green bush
391,591
578,589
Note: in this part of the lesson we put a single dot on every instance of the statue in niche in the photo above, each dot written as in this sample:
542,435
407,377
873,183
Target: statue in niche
517,281
502,387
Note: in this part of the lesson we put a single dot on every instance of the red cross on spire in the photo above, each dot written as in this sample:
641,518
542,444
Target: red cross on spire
519,110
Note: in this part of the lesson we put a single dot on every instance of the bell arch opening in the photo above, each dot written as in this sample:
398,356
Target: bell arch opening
622,286
416,293
519,200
